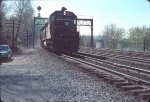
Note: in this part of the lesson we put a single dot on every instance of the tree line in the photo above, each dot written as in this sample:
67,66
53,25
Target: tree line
113,37
18,14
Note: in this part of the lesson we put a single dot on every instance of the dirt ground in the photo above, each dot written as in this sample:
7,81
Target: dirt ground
36,75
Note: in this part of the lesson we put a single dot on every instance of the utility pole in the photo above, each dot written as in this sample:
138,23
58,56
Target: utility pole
33,32
0,19
11,23
144,44
1,37
13,40
27,37
91,32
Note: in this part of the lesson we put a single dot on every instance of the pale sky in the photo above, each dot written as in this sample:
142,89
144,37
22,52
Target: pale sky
123,13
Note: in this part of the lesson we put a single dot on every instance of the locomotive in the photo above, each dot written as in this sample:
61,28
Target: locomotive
60,33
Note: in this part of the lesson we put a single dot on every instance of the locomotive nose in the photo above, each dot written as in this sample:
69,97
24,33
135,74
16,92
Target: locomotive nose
60,32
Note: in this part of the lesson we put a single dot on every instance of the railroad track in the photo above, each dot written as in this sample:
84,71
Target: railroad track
134,80
118,53
112,56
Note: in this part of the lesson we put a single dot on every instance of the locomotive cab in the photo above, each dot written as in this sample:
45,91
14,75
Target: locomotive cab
64,31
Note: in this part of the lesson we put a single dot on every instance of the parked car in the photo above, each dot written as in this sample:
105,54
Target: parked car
5,52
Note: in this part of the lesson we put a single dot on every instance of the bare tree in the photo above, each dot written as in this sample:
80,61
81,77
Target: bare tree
139,38
112,35
3,13
23,15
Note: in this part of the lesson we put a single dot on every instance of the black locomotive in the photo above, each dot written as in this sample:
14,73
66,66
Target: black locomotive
60,34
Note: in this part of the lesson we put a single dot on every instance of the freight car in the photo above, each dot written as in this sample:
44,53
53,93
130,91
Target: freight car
60,33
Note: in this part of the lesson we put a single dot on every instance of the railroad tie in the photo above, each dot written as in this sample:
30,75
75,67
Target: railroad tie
102,75
120,84
145,96
131,87
139,91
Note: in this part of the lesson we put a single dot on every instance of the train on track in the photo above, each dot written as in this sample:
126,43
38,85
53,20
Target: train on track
60,33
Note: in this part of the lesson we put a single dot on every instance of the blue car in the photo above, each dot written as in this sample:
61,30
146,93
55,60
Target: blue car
5,52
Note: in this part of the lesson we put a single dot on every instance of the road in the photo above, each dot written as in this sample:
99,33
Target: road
36,75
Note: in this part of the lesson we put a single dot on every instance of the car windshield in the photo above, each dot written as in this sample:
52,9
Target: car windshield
3,48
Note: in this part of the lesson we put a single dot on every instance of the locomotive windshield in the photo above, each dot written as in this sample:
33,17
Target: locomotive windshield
65,21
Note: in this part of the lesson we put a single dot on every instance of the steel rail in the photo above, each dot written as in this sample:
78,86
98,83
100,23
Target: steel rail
116,64
143,60
104,57
137,59
82,49
135,79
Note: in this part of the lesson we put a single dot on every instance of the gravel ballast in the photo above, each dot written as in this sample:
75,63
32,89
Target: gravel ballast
39,76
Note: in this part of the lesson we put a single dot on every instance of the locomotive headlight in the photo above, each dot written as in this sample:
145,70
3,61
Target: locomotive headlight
64,12
74,21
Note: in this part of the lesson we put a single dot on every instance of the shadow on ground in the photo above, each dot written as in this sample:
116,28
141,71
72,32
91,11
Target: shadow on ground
6,60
